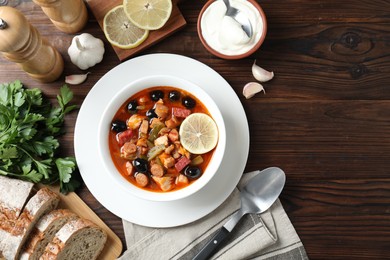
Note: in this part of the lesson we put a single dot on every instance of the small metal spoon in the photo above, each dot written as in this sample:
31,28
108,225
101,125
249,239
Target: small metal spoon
239,17
256,197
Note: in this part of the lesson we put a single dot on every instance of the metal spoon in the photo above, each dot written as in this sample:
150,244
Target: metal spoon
256,197
239,17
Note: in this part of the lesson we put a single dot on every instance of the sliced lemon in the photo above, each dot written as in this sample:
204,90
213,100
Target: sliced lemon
120,31
198,133
148,14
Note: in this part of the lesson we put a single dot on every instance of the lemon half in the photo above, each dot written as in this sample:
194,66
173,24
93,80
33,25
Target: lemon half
120,31
198,133
148,14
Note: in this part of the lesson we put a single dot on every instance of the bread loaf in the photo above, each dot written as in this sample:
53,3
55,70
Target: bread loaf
78,239
14,231
44,232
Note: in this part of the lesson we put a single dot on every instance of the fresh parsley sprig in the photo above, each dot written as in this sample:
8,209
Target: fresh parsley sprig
29,126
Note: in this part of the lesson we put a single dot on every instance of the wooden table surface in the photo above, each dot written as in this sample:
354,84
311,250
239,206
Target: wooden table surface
325,119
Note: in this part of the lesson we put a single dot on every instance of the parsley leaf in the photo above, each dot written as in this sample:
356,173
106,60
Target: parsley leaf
29,126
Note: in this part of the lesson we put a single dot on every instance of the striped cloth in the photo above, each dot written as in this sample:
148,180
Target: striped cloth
269,235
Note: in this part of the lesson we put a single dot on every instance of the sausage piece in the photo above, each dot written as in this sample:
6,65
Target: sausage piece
128,150
129,168
182,163
180,112
141,179
157,170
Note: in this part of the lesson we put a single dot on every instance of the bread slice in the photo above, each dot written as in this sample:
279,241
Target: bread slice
44,232
15,232
78,239
14,194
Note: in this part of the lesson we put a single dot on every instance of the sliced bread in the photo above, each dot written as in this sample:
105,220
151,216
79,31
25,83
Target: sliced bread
15,232
14,195
78,239
44,231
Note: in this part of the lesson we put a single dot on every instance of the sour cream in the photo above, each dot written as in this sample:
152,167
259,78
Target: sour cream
223,34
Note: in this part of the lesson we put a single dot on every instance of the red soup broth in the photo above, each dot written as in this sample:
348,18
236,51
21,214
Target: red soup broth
143,102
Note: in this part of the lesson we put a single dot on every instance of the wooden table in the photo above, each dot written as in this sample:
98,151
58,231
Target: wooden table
325,119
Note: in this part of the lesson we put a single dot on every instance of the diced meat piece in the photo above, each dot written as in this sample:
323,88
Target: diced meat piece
143,150
129,168
169,162
181,180
128,150
135,121
182,163
142,179
161,140
166,160
144,127
155,121
165,183
173,135
124,136
157,170
184,152
142,142
164,131
161,111
180,112
169,149
173,122
176,154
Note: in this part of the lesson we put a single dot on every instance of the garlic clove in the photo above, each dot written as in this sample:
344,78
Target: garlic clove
76,79
251,88
261,74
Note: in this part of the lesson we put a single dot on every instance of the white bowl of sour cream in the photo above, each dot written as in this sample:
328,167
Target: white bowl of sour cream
223,36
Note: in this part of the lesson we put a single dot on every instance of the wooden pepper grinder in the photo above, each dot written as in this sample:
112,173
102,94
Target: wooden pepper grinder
69,16
20,42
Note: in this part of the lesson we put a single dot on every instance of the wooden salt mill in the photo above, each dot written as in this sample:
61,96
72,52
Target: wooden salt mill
69,16
20,42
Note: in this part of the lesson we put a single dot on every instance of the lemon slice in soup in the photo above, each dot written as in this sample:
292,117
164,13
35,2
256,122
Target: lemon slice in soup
198,133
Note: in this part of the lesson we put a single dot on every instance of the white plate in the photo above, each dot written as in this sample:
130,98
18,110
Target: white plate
173,213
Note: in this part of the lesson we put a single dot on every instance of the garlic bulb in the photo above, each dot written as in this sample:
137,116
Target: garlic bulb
261,74
251,88
86,51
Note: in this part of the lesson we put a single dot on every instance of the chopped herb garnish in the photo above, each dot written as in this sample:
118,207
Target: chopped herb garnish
29,126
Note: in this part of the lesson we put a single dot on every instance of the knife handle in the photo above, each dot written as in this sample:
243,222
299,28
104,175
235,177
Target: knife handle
210,247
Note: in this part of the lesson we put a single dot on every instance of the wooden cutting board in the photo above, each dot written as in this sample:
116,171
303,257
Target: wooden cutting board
99,9
113,246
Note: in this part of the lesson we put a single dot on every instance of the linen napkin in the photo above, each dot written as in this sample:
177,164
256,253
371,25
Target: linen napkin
269,235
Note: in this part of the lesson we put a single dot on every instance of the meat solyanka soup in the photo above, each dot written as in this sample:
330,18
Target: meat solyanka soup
162,139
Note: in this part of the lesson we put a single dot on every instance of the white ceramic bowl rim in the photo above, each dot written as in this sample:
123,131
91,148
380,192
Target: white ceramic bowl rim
133,88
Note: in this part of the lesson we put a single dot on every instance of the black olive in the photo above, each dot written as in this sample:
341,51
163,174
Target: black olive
151,113
118,126
174,95
132,106
141,165
156,95
192,172
189,102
